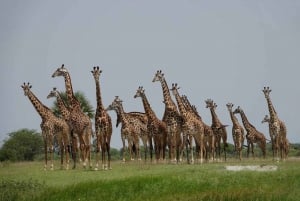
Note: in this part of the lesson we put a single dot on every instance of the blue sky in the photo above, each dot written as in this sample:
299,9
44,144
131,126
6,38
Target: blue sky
223,50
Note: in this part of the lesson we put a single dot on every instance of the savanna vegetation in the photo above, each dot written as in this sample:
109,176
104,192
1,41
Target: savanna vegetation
21,180
145,181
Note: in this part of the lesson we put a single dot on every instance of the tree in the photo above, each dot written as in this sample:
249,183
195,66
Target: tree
22,145
86,107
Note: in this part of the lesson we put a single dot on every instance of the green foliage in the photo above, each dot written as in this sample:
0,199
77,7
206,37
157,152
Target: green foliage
15,189
86,106
22,145
145,181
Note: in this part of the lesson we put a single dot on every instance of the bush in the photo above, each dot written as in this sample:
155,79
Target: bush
22,145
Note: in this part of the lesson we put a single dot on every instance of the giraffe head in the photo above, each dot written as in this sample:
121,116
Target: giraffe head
174,88
229,106
26,88
266,91
139,92
237,110
210,104
117,102
60,71
96,72
266,119
158,76
53,93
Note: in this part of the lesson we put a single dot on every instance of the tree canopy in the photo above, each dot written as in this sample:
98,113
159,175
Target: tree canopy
86,106
22,145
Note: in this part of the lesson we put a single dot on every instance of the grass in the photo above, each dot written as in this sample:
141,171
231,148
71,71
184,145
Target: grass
139,181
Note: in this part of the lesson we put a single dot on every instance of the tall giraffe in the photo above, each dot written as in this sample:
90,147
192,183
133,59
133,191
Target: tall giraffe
79,122
238,133
157,128
209,137
173,120
103,125
277,127
131,128
253,135
191,126
51,127
285,144
218,128
66,116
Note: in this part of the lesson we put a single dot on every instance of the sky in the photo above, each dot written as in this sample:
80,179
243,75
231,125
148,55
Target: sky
223,50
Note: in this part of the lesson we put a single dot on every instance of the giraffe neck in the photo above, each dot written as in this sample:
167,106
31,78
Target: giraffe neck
191,109
148,110
122,115
214,117
74,103
245,121
233,119
100,106
180,104
166,93
272,111
43,110
62,107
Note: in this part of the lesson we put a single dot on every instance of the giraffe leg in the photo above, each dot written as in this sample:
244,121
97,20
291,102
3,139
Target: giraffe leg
97,151
45,154
51,157
124,148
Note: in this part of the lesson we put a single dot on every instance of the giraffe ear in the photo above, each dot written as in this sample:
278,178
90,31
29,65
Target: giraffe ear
63,65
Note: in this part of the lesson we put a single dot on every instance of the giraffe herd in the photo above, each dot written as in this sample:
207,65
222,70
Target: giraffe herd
180,127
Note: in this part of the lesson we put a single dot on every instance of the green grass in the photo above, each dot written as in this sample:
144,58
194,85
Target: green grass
139,181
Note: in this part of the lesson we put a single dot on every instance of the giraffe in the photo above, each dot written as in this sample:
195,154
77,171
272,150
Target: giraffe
238,133
157,128
209,137
51,127
131,128
79,122
277,127
285,144
103,125
191,126
218,128
66,116
173,120
253,135
132,118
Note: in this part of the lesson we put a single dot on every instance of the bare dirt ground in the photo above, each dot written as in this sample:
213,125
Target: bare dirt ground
251,167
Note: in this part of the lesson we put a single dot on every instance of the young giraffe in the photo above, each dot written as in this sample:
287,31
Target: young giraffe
66,116
285,144
238,133
277,127
79,122
173,120
157,128
132,117
103,125
253,135
131,128
209,137
191,126
218,128
51,127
